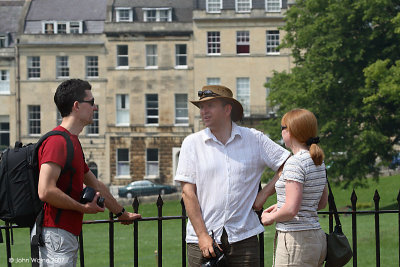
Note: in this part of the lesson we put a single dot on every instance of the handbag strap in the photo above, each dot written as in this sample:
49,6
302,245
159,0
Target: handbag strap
331,200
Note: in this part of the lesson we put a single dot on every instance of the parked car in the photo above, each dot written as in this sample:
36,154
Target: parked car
145,188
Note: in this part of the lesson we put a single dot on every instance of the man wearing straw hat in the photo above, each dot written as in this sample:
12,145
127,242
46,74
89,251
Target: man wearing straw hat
219,169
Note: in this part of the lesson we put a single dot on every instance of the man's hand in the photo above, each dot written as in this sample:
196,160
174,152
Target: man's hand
206,246
92,207
129,217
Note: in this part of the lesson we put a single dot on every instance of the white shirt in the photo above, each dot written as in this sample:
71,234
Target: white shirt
227,178
301,168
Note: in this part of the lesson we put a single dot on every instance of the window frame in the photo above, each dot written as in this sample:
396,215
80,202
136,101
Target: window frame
123,162
213,43
181,120
243,2
4,132
4,82
151,59
93,128
242,41
62,69
149,109
92,68
34,123
122,56
244,97
213,81
32,70
157,17
214,5
271,43
274,9
179,57
118,15
56,24
152,163
122,110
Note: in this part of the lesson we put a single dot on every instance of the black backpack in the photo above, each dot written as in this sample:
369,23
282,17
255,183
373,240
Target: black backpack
19,177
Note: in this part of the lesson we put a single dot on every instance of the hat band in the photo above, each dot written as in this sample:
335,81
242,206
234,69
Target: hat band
206,93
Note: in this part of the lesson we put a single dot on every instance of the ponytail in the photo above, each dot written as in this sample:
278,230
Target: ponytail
317,154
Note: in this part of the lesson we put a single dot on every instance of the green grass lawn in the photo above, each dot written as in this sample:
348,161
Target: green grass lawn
96,235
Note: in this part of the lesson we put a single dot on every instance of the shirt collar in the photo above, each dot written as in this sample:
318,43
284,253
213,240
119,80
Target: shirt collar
208,135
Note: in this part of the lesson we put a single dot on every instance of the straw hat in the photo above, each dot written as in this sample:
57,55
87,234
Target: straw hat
210,92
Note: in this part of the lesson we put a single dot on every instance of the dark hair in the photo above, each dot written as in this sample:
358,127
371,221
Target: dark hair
68,92
236,114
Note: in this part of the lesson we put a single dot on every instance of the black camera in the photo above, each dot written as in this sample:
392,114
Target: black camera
219,260
88,194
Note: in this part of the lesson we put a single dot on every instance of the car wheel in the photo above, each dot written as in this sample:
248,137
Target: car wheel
162,192
129,195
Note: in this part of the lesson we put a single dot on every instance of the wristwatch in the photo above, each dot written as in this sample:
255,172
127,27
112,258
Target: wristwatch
119,214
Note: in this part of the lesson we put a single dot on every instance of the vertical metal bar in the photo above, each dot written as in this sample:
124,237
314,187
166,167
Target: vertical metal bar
330,217
111,239
184,233
160,204
261,241
377,237
354,226
81,253
8,245
135,206
398,209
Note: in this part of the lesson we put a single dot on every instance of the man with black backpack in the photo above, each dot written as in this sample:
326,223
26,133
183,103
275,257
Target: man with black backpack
60,189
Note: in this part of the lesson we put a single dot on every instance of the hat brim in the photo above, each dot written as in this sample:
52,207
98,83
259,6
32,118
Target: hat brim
237,108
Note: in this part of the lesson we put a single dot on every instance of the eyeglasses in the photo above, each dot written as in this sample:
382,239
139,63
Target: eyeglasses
206,93
283,127
91,101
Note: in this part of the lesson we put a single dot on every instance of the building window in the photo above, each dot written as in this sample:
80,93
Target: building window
122,162
75,27
4,132
93,128
152,164
181,109
93,168
243,94
151,109
122,110
272,42
214,6
33,119
122,56
273,5
92,67
243,5
62,66
3,41
163,14
33,67
48,27
213,81
151,56
124,14
4,82
242,42
61,27
180,56
213,43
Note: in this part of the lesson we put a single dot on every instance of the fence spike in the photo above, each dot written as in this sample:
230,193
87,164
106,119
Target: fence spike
376,196
135,205
353,198
160,201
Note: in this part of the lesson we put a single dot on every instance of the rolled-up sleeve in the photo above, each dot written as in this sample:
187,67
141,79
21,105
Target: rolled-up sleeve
186,171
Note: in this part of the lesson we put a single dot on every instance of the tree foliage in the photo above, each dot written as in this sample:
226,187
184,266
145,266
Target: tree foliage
347,71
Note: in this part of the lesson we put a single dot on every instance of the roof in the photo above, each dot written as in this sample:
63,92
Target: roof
67,10
10,12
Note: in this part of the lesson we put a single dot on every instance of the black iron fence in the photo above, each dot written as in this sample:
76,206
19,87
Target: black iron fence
183,219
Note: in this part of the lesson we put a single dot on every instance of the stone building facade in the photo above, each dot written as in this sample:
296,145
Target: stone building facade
145,60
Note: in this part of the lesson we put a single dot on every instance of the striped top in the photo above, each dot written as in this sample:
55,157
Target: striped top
301,168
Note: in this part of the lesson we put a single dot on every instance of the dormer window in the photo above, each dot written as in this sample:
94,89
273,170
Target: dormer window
161,14
4,40
62,27
124,14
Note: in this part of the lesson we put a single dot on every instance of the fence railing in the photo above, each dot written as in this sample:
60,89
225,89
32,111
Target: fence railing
183,218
